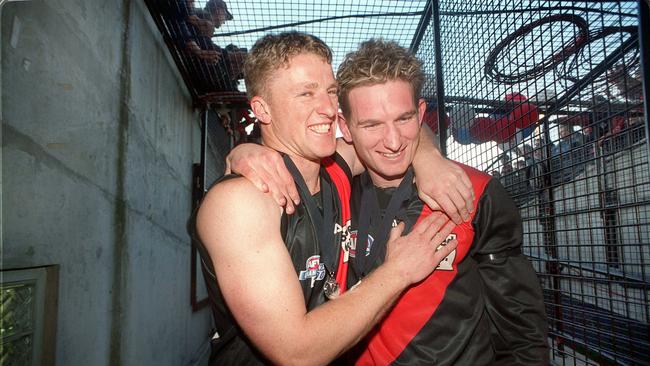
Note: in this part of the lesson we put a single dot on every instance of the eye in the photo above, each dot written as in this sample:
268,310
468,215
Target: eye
405,119
306,94
332,92
370,126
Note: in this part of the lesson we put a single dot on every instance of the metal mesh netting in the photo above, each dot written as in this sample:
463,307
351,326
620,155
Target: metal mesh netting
547,97
341,24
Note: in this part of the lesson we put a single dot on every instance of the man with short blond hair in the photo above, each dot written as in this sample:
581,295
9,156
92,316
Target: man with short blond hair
483,305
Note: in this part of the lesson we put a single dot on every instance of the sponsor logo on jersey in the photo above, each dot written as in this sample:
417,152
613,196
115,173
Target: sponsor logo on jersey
314,270
353,243
447,264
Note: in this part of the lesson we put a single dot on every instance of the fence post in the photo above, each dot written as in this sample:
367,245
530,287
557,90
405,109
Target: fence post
440,88
644,45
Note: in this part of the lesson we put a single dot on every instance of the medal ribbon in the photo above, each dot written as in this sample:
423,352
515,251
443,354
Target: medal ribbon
370,216
323,224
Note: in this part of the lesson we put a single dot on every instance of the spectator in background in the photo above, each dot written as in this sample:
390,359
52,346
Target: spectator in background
539,169
521,166
528,162
526,152
506,164
205,20
566,143
183,23
568,154
520,185
222,69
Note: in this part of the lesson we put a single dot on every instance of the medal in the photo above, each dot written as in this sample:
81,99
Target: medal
323,224
331,287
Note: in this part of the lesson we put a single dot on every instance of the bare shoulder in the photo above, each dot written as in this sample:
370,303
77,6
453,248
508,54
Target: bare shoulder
236,192
236,205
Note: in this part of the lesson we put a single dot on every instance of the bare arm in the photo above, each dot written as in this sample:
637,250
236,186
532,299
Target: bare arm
265,168
269,305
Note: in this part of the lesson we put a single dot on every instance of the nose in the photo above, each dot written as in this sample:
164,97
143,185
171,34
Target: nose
327,105
392,137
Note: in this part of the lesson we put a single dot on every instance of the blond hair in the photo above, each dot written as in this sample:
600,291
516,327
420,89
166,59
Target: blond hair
376,62
275,50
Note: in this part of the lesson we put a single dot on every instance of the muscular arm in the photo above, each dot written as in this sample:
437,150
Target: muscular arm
513,295
259,283
441,183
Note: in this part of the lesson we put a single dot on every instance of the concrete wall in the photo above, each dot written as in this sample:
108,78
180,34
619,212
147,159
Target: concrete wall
98,138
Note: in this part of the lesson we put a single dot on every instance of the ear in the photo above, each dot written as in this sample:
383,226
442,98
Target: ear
422,108
343,127
261,110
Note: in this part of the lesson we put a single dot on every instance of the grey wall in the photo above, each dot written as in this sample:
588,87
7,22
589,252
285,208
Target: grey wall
98,138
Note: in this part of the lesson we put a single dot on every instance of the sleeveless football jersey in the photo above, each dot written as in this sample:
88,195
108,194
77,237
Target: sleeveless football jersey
231,347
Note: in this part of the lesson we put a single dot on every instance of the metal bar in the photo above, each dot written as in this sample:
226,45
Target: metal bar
644,44
440,88
295,24
543,8
423,25
204,146
540,104
546,214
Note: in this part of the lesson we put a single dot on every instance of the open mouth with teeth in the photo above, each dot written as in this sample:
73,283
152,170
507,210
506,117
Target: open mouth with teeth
322,128
392,155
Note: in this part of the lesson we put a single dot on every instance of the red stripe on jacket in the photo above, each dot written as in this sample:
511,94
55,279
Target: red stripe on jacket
419,303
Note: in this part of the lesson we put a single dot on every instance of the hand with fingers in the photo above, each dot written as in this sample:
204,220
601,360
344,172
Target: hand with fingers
448,188
415,255
265,168
210,55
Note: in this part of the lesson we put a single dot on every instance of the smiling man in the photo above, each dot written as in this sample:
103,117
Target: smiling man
269,273
483,305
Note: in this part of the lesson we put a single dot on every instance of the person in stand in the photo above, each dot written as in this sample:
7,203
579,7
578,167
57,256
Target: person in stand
186,24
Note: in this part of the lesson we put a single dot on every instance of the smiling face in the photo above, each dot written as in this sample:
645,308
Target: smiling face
384,125
299,111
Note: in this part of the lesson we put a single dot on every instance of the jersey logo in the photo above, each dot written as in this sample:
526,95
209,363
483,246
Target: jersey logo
346,239
314,270
353,244
447,264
